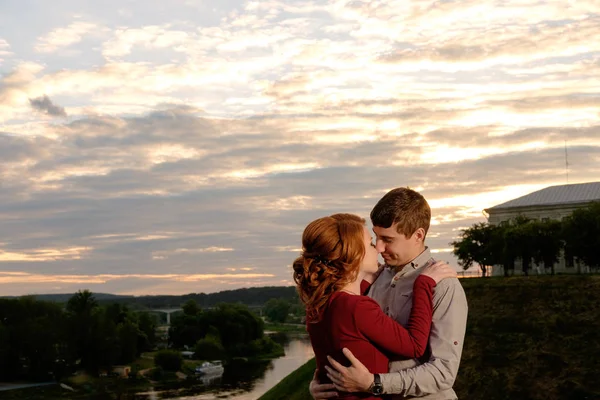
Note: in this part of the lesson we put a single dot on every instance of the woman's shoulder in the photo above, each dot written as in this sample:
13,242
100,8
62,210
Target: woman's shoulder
356,301
346,299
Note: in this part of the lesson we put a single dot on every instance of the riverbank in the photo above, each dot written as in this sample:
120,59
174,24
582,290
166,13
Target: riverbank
285,328
99,388
293,386
146,380
528,338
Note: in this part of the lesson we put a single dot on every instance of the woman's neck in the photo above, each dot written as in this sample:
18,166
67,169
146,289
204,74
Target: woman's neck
353,287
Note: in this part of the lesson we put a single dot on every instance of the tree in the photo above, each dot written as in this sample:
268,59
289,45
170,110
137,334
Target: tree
518,238
82,303
582,235
509,254
186,330
168,360
147,324
32,338
191,308
547,243
277,310
82,317
477,245
209,348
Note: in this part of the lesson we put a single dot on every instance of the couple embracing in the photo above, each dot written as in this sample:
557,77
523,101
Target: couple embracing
380,331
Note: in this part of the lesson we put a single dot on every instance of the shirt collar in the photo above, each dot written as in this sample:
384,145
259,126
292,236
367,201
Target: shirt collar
417,262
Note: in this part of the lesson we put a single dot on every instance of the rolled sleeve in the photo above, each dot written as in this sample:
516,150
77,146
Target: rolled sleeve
438,374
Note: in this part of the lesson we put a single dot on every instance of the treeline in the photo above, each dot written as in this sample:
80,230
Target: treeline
41,340
248,296
252,297
281,310
530,241
227,331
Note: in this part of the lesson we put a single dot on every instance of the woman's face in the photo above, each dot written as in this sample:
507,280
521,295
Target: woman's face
369,263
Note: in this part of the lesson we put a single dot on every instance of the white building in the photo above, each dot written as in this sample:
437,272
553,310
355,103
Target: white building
554,202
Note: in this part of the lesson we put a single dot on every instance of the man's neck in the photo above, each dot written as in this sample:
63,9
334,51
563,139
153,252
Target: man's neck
417,253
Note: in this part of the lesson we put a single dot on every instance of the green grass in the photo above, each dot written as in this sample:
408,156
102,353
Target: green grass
300,328
535,338
40,393
142,363
86,388
295,385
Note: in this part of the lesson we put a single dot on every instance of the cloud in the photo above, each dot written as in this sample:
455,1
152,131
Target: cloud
127,283
4,50
44,255
206,146
60,38
44,104
153,36
17,277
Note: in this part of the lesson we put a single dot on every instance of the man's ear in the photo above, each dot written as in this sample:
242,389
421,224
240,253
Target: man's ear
419,235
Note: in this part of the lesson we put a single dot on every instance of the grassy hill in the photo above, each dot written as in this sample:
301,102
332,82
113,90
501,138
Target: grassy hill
532,338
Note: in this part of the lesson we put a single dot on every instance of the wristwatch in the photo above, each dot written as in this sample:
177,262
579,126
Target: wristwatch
376,387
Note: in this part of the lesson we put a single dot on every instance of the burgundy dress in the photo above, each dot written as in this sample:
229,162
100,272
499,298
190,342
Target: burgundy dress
358,323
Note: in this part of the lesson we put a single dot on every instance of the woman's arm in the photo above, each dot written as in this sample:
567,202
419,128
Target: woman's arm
382,330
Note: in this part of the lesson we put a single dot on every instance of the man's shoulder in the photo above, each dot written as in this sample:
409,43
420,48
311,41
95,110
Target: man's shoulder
453,283
449,291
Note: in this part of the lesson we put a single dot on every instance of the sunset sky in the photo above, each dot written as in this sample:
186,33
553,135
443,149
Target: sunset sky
169,147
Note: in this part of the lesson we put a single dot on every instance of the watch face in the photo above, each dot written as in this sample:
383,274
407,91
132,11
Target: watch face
378,389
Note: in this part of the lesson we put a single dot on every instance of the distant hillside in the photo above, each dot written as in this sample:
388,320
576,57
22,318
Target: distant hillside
249,296
256,296
64,297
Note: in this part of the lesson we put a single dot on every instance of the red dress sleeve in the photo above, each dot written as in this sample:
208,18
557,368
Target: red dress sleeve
389,334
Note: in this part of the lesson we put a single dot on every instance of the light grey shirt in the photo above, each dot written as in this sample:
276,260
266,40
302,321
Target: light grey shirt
432,376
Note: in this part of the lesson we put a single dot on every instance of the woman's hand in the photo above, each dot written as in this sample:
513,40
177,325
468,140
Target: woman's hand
438,271
372,277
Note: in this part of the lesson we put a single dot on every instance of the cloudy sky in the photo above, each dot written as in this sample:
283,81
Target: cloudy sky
154,147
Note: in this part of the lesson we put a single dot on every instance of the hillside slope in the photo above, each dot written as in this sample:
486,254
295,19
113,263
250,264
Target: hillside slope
532,338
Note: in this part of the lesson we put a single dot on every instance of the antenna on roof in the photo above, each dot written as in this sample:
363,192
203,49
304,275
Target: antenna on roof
566,162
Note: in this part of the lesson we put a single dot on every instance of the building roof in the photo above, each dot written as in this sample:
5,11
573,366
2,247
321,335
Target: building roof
553,195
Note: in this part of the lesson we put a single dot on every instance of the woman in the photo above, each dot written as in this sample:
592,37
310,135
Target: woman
338,254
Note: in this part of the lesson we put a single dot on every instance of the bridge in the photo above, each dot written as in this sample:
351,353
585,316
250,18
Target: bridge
170,311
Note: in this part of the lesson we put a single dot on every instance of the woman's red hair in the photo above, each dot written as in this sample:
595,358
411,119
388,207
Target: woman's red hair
333,249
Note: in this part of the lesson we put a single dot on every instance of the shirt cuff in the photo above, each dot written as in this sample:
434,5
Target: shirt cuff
389,384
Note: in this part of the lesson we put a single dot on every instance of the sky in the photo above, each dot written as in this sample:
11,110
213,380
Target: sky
154,147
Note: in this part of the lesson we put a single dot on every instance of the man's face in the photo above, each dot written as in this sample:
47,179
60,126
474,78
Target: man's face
395,248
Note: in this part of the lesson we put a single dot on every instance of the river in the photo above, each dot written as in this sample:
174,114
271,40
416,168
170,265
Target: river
244,381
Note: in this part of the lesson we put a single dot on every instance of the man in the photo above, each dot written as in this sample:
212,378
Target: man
401,220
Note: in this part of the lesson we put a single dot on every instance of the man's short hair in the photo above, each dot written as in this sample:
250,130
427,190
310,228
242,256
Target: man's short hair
403,206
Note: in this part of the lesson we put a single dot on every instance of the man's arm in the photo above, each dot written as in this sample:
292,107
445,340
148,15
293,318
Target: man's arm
446,343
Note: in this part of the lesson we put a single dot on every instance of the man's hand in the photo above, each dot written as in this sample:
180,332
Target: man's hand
318,391
355,378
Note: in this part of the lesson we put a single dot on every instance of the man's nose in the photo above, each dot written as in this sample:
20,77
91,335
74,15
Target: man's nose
380,246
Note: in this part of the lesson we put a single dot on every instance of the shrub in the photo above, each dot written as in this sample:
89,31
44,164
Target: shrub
209,349
168,360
